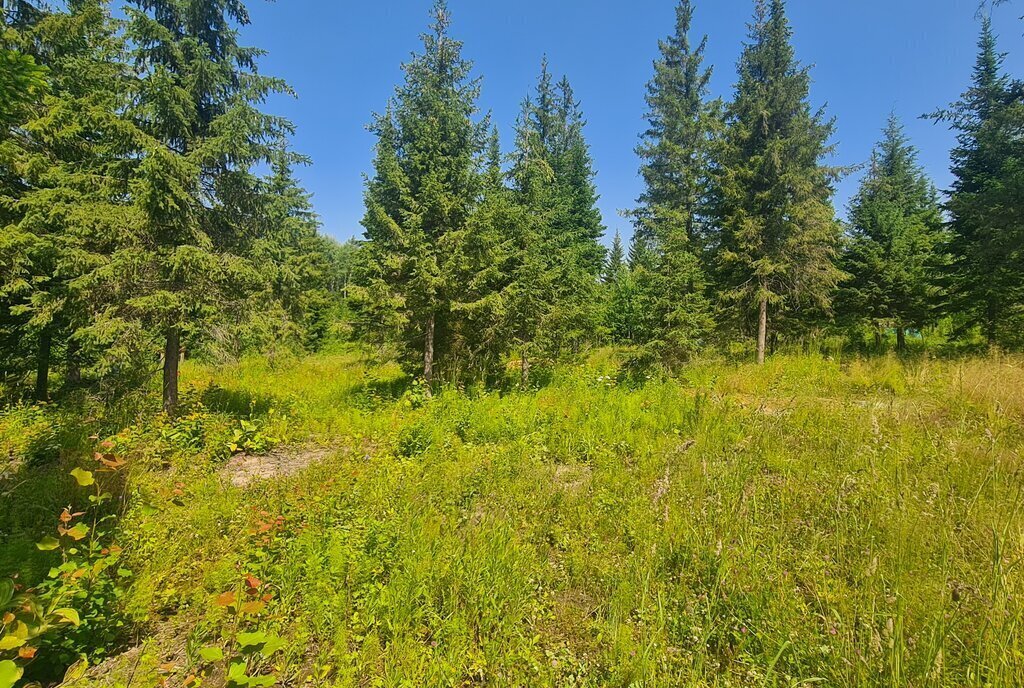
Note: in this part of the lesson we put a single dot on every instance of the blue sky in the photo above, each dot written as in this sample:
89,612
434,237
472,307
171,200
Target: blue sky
869,58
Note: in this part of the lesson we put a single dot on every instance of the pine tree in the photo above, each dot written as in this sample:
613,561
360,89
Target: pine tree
670,222
986,272
574,176
893,254
778,235
425,187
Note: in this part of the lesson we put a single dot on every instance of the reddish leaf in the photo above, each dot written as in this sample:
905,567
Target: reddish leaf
27,652
252,581
226,599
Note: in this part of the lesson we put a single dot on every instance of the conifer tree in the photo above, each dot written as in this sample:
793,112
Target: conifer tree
616,260
184,265
894,255
553,176
778,235
987,226
574,176
425,187
675,151
68,160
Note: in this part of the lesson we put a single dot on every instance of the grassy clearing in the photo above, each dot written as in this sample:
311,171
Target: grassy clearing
812,522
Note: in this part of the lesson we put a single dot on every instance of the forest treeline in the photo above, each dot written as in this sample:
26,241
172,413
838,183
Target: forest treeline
148,204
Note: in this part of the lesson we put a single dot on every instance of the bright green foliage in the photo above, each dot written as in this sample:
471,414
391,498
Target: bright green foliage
894,253
837,522
777,234
420,200
670,222
987,225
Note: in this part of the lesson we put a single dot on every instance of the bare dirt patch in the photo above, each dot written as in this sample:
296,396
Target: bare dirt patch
244,469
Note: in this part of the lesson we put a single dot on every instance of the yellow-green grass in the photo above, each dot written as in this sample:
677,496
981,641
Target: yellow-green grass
812,522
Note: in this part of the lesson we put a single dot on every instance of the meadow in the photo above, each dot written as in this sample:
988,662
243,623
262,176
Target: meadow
322,521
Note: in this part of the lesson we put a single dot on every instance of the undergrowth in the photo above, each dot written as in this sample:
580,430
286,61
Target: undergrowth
843,522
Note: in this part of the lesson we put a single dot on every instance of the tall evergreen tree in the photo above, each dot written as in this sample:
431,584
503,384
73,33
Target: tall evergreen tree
894,253
68,200
675,151
986,222
553,177
426,185
778,234
574,176
184,265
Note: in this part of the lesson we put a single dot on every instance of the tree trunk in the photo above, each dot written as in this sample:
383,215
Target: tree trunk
762,330
74,366
428,352
524,370
901,338
172,350
43,366
990,323
878,337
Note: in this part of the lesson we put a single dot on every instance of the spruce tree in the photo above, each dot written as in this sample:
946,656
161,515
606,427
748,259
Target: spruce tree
69,200
894,251
986,225
426,185
554,179
778,235
675,151
616,260
185,266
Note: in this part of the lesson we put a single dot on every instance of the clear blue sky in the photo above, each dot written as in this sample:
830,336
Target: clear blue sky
869,57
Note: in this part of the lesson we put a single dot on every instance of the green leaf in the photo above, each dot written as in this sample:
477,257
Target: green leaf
262,681
212,654
84,478
68,615
9,673
236,674
79,531
6,592
254,639
9,642
48,543
272,645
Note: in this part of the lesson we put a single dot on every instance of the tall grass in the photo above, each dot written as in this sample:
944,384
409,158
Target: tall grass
812,522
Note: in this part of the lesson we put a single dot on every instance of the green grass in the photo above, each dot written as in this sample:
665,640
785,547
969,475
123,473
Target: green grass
812,522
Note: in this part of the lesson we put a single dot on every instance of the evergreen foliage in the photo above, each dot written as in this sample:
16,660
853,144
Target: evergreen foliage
671,221
894,252
987,222
777,236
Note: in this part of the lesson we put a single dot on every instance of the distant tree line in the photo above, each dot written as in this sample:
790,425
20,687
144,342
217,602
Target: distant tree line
474,257
133,222
148,206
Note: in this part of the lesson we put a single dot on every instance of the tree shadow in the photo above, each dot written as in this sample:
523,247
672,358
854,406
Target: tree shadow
237,403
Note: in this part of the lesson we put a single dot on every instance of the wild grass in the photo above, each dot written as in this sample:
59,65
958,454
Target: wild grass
813,522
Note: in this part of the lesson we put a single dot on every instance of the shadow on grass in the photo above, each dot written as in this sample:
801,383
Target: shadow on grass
238,403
